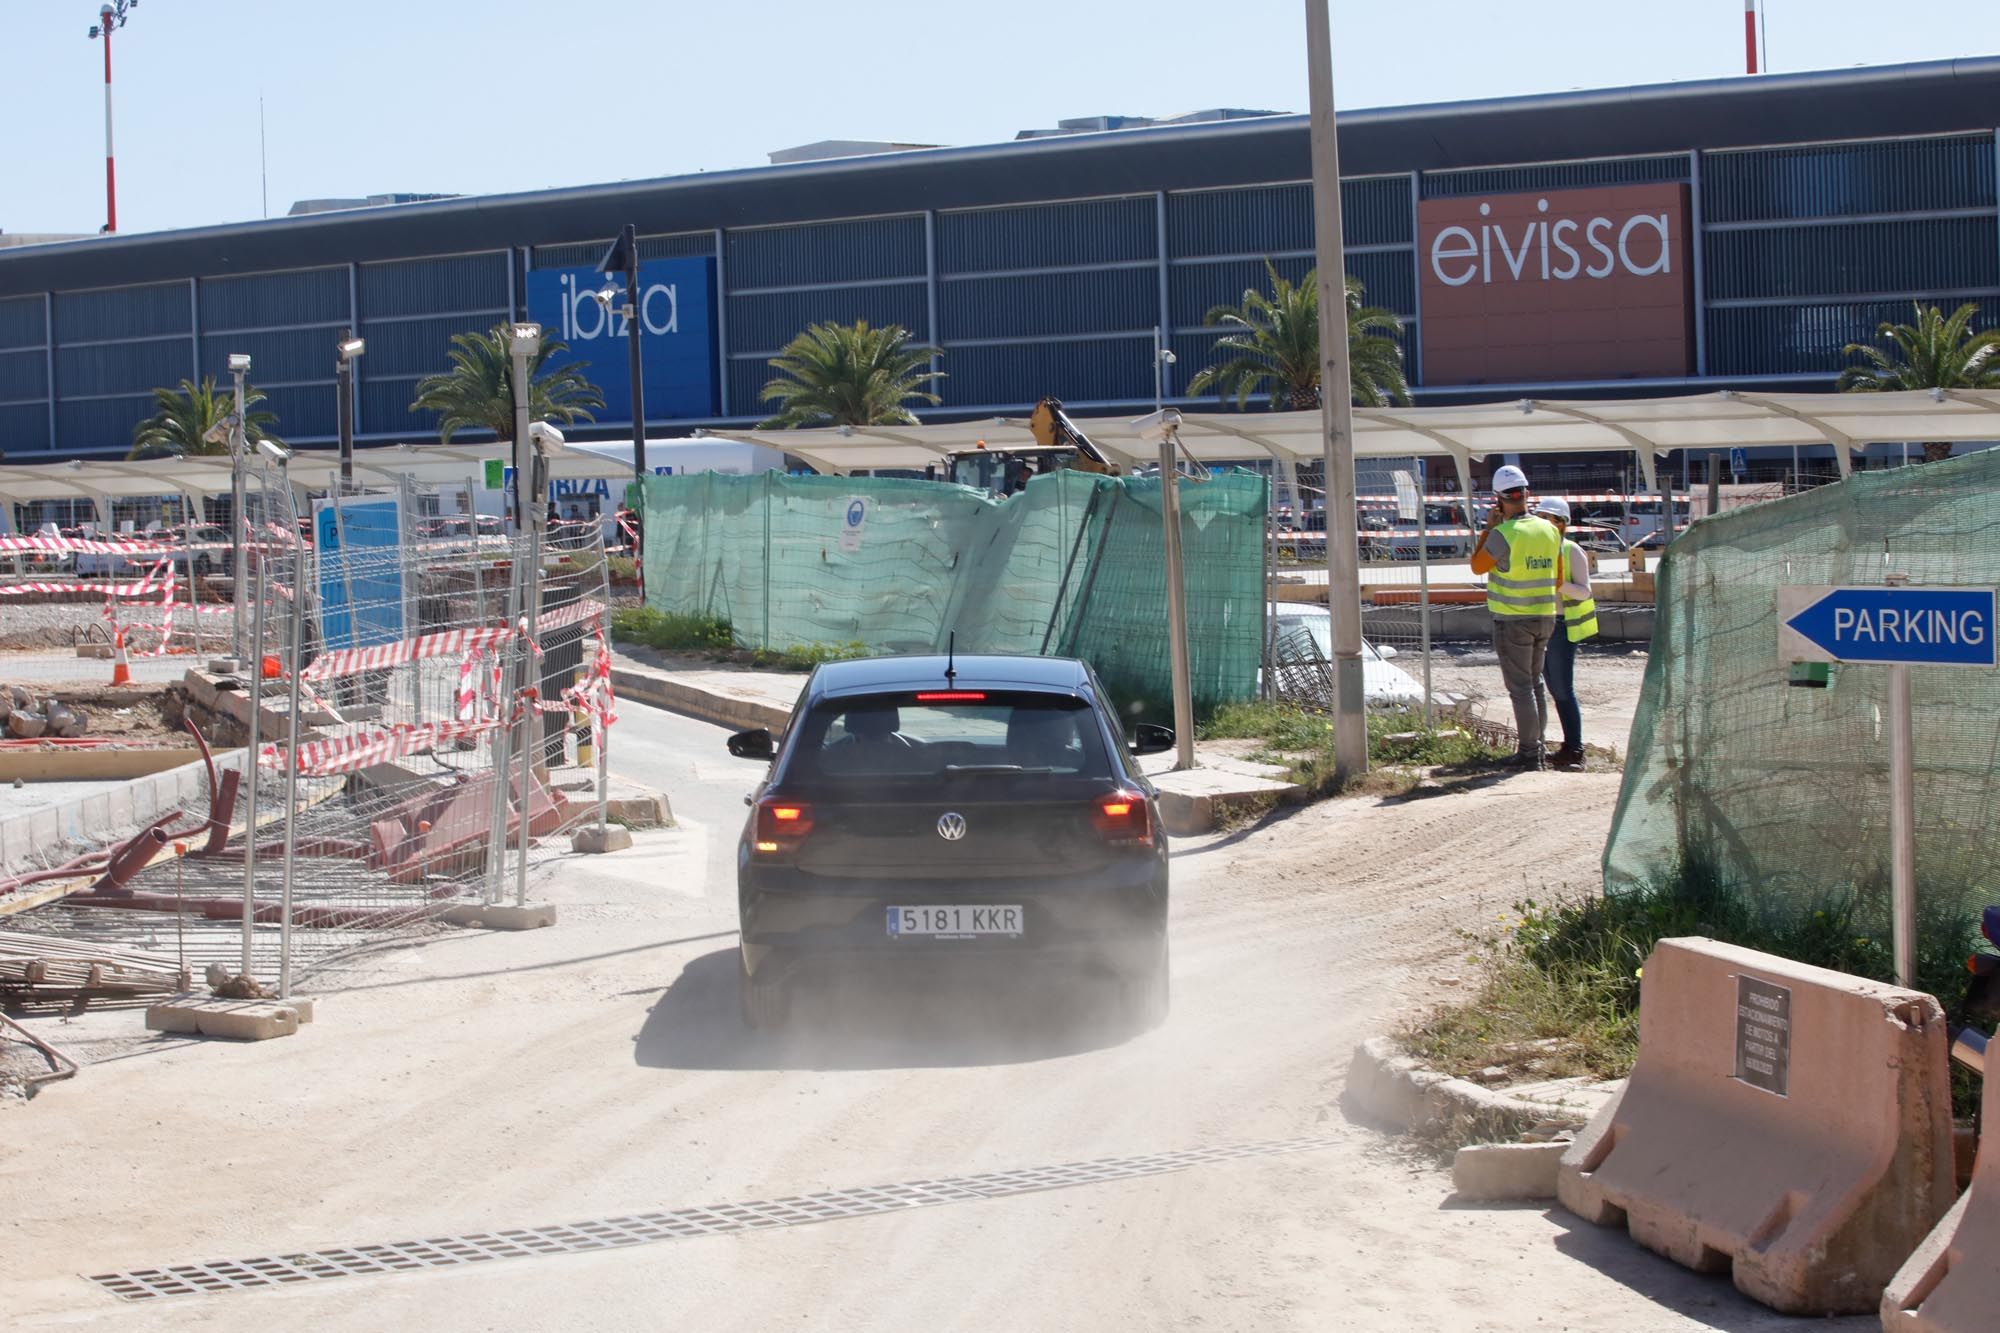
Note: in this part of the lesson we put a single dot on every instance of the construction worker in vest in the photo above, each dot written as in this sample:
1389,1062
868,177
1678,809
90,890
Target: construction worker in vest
1517,553
1579,622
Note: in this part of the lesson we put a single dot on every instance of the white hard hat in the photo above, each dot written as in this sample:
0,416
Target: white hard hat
1509,478
1553,508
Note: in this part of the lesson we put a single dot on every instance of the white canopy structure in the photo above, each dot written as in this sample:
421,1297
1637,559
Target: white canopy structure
1648,427
209,474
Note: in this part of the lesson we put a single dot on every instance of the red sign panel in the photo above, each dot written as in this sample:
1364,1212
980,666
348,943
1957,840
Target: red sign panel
1556,285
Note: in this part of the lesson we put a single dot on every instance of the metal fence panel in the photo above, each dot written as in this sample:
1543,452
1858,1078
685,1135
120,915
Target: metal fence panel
1053,304
851,251
261,300
449,284
1557,176
1919,255
122,312
21,322
1093,231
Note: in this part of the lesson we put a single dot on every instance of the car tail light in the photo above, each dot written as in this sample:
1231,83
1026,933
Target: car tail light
781,825
951,696
1123,816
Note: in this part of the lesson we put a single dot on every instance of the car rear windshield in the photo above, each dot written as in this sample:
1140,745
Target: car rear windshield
950,734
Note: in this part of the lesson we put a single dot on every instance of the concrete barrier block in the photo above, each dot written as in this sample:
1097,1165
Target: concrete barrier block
243,1020
1785,1123
532,916
1492,1172
599,838
1951,1284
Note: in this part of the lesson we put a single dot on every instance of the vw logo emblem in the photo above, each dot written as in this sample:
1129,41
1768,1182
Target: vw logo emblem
951,826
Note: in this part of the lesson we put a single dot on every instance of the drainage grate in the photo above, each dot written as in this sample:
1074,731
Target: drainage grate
646,1228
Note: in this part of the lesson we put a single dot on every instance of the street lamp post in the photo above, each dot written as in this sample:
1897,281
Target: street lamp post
1343,567
623,257
531,508
110,17
347,350
239,367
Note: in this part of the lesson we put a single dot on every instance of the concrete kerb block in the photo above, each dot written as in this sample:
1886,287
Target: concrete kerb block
1951,1284
1810,1193
600,838
242,1020
479,916
1389,1088
1511,1172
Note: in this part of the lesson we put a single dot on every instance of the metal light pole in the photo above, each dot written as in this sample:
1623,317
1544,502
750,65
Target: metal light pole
523,342
1343,569
346,351
623,257
239,367
1163,356
110,17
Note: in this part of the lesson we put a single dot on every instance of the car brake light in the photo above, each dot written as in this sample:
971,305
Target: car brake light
1123,816
780,823
951,697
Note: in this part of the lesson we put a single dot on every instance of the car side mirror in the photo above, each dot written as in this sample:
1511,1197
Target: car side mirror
1385,651
754,744
1152,738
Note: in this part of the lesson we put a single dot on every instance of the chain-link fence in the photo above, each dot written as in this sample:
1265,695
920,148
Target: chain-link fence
429,707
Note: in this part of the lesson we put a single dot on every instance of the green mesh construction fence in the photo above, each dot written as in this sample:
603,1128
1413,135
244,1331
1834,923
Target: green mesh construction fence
1070,566
1783,791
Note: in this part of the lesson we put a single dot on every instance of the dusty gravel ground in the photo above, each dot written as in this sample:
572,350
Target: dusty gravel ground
1607,687
599,1068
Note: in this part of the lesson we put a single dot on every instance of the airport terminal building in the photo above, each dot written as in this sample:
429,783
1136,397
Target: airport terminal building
1632,241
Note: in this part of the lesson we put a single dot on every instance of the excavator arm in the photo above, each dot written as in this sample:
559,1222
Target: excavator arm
1053,429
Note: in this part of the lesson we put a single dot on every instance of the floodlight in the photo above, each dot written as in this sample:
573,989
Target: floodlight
1167,355
221,431
349,348
274,451
524,339
239,362
545,437
1159,427
604,296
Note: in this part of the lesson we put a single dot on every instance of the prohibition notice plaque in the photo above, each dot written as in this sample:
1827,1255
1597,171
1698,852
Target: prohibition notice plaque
1763,1034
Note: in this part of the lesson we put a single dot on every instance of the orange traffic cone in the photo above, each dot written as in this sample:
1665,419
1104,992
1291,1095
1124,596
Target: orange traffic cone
121,670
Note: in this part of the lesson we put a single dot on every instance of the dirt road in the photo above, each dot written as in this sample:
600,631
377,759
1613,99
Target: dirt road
599,1069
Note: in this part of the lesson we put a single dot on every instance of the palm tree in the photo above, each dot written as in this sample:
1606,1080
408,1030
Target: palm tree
850,375
187,415
477,393
1273,346
1934,353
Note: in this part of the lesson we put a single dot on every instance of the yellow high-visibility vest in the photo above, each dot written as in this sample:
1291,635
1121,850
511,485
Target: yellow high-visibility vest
1528,588
1579,618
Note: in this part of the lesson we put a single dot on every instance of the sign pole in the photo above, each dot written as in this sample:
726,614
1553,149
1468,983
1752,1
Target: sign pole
1902,829
1424,582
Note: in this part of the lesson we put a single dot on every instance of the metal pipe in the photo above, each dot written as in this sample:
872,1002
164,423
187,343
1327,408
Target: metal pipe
239,586
1424,580
1343,571
1902,828
1177,628
297,666
255,666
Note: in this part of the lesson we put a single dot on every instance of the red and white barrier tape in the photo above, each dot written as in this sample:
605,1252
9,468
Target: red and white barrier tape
348,661
324,758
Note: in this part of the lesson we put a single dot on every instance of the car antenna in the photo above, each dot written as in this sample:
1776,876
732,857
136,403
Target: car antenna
951,657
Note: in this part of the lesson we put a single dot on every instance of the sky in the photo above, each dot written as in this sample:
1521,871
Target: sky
370,97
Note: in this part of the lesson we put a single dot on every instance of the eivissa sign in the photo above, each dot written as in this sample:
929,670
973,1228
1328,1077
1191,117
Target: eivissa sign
1556,285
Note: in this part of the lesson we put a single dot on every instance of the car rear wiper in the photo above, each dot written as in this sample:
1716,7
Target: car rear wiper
956,770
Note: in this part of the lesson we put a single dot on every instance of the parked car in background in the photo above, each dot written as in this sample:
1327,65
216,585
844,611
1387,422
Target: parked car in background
1384,685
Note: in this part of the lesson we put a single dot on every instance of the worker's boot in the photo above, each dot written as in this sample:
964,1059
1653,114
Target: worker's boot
1528,761
1567,757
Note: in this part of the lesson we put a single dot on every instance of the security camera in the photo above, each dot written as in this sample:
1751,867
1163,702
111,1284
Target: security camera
221,432
604,296
1159,427
545,437
274,451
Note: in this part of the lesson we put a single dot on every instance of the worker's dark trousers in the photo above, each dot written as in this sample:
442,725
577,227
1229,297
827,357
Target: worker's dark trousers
1522,643
1560,673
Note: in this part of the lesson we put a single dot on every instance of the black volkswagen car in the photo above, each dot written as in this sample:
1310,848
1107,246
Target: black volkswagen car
931,813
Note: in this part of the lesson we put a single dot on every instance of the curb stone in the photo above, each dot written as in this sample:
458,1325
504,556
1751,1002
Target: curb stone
1391,1088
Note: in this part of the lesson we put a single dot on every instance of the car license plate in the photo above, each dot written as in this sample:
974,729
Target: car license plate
955,920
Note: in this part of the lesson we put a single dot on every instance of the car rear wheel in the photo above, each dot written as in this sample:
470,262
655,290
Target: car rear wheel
1148,991
764,1001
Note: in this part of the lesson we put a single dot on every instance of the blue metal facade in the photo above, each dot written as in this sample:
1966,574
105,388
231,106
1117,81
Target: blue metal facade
1048,267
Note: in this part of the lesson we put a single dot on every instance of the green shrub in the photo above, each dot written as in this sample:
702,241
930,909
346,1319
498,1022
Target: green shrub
804,657
1303,740
671,630
1567,975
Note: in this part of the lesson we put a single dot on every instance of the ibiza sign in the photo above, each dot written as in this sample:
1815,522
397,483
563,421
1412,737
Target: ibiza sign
677,342
1556,285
